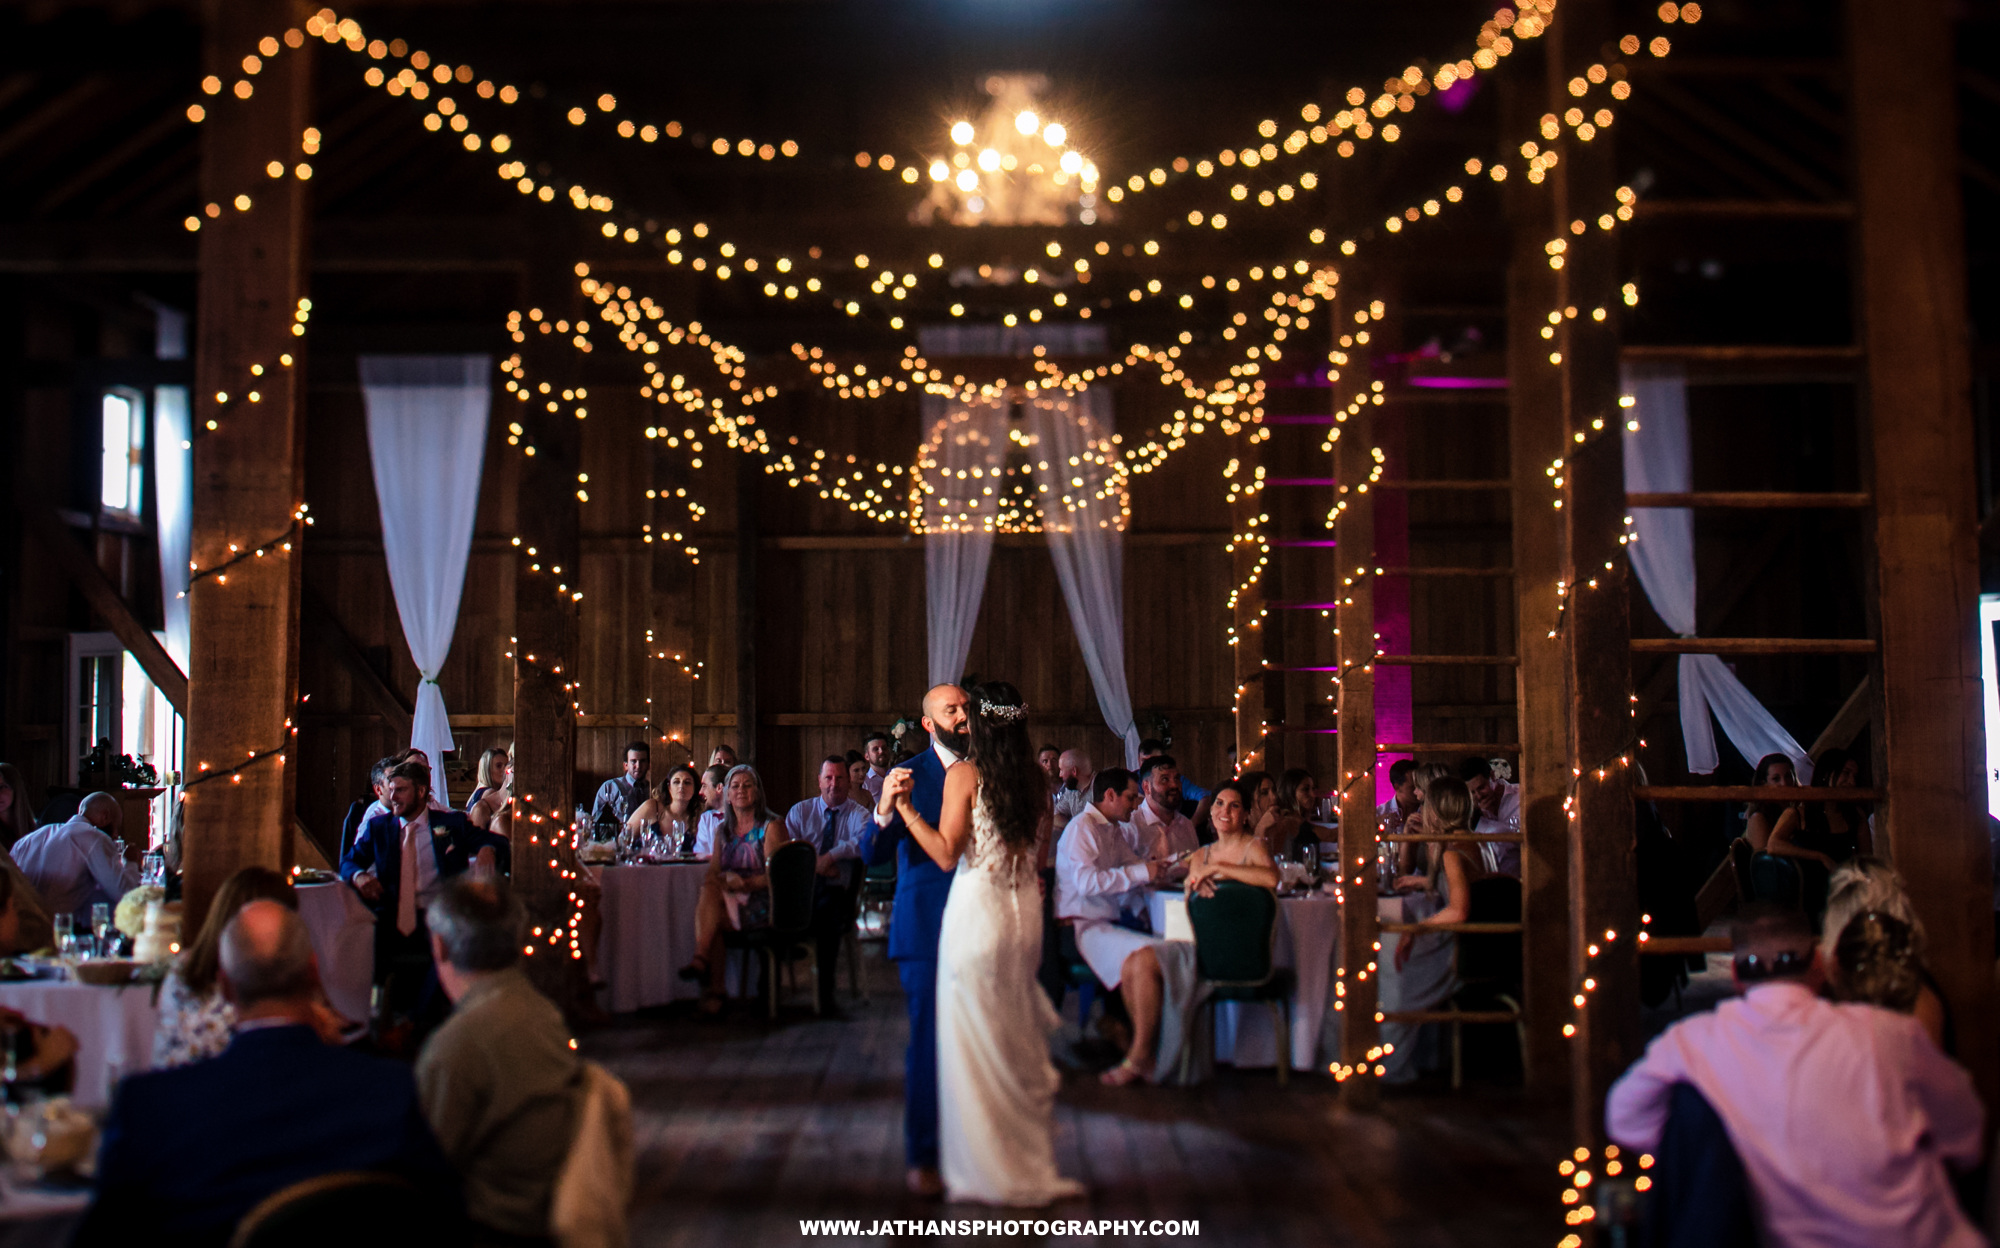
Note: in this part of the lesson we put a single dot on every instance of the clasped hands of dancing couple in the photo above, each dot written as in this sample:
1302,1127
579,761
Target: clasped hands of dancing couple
966,821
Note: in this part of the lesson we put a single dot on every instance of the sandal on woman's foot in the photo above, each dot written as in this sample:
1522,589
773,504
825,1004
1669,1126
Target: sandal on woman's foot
697,969
1125,1072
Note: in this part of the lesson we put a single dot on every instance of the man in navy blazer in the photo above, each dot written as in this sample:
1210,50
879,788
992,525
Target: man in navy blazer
922,887
399,887
187,1152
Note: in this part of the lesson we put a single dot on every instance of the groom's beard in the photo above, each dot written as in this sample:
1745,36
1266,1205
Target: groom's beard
956,742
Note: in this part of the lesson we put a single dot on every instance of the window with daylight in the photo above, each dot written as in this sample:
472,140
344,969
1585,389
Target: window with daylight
124,423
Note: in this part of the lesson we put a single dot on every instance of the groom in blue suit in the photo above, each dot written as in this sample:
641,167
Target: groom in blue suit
922,888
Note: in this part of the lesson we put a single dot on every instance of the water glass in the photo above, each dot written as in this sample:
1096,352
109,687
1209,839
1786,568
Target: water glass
100,921
65,931
153,871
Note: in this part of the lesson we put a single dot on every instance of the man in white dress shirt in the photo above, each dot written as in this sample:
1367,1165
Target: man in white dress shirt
712,798
1074,795
1845,1116
1164,832
833,823
75,865
1101,883
875,751
1497,810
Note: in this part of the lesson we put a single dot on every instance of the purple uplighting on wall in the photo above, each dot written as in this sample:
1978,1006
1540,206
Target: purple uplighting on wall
1459,383
1455,97
1395,719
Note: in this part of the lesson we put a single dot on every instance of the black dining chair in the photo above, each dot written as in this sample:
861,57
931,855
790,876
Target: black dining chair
790,872
1234,934
349,1207
1487,965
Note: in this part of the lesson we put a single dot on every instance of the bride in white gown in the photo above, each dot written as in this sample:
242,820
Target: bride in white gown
996,1084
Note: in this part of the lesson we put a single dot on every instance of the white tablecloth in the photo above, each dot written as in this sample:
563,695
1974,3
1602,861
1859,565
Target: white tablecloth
113,1028
1307,940
343,939
648,932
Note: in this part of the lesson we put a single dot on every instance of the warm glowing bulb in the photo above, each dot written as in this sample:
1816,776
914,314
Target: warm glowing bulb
1055,135
961,132
968,181
1027,123
1071,162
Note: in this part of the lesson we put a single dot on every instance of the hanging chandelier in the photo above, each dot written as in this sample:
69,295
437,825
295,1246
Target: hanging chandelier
1013,166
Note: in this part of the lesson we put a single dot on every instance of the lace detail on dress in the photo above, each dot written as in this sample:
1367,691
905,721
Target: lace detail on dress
988,852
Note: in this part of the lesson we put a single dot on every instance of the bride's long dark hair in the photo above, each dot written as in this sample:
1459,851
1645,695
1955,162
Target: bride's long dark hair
1016,790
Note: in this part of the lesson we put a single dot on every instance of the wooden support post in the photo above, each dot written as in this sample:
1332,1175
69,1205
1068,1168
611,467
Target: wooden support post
747,474
1354,621
1250,556
1911,262
546,574
670,618
1597,633
1536,437
249,463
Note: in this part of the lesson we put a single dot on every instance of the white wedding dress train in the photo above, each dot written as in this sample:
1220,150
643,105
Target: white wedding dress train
996,1084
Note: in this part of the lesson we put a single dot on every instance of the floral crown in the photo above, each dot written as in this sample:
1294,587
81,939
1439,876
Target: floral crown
1005,714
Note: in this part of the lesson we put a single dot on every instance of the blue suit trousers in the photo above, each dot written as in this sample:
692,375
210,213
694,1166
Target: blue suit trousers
920,1085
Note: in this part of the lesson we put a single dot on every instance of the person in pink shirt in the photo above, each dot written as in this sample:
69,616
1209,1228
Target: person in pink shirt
1845,1116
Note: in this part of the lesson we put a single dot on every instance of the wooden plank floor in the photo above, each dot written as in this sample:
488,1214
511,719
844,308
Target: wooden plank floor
745,1129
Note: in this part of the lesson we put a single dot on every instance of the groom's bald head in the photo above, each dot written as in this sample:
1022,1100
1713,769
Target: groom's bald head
945,707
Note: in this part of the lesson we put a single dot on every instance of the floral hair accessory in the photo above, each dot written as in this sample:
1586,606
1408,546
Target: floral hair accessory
1005,714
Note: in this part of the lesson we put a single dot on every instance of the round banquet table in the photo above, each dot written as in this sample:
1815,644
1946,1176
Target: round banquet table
113,1028
343,939
1307,940
648,932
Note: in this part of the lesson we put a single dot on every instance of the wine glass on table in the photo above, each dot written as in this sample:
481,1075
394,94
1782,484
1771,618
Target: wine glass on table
65,933
100,927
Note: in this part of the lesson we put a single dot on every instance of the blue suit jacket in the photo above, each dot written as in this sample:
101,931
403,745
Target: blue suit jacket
454,841
922,887
187,1152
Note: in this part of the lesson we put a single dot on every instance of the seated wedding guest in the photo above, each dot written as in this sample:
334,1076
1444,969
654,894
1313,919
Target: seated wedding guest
42,1060
879,751
494,768
1403,801
857,776
724,756
396,864
834,823
673,810
1872,946
1284,823
1496,808
1101,883
619,796
195,1018
1829,833
1192,794
1418,862
16,816
500,1078
1235,853
1776,771
1076,771
74,866
1846,1117
1447,812
187,1152
736,893
1164,832
494,810
714,798
1050,759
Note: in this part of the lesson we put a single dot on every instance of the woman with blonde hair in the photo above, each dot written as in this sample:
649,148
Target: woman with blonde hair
736,893
495,766
1448,812
1418,862
1872,946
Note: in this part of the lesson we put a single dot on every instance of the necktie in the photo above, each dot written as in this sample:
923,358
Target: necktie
826,837
406,889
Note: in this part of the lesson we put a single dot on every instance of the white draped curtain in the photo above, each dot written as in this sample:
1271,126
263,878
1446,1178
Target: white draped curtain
427,441
1657,461
1080,485
173,491
960,492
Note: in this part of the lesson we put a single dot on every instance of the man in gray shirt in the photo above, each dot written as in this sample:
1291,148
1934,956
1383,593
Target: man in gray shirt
500,1081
